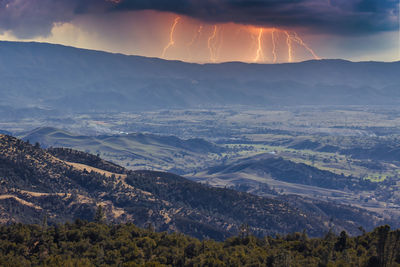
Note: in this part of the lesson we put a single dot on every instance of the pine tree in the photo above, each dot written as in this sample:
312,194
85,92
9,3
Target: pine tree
99,216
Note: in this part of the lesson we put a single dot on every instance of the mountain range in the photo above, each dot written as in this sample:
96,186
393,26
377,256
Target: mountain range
42,78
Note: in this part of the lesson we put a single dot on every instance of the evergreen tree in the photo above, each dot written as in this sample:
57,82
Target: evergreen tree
99,216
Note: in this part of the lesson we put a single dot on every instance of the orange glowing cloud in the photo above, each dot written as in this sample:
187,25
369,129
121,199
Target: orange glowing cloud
173,37
291,31
199,42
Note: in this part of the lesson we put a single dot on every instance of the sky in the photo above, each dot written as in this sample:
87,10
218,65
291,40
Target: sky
204,31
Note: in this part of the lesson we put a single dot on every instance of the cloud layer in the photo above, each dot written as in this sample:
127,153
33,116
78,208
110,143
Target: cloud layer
33,18
328,16
30,18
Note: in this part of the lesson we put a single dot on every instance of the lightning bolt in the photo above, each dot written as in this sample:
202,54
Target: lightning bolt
298,40
259,53
210,43
220,33
171,36
273,44
215,42
196,36
289,45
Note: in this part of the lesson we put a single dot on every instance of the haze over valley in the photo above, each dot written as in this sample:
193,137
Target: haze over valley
200,133
318,130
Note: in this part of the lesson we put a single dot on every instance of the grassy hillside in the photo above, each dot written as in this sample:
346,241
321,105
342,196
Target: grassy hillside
36,183
291,172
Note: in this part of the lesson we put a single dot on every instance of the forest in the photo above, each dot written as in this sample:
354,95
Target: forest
97,243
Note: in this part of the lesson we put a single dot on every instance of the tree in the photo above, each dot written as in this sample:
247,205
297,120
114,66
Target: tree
99,216
341,244
244,230
44,223
383,235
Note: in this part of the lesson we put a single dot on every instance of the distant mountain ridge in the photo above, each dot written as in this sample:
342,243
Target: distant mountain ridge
77,80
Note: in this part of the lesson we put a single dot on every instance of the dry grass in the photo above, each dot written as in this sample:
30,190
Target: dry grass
23,202
83,167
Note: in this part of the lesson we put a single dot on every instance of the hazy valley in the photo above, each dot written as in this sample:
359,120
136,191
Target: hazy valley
351,160
315,143
188,133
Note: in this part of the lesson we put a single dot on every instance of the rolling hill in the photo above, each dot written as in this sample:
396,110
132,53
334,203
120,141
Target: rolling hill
64,184
136,151
267,165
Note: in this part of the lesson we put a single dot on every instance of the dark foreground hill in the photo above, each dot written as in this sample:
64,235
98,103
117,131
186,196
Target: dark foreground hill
45,76
63,184
95,244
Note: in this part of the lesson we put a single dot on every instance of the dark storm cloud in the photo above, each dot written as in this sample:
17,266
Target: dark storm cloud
30,18
330,16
